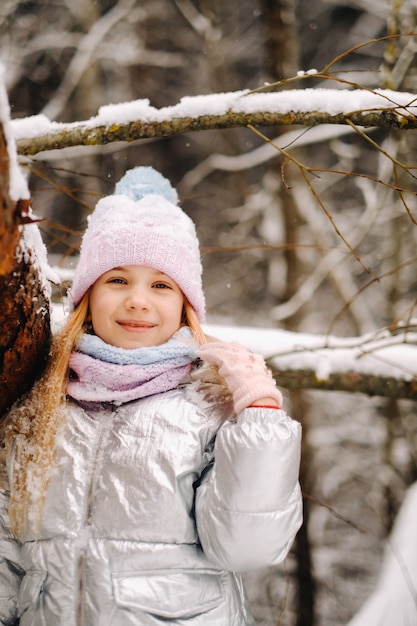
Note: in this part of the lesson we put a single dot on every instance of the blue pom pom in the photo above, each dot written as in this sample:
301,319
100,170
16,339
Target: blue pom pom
141,181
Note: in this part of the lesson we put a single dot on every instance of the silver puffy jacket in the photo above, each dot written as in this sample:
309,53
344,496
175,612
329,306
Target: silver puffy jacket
141,527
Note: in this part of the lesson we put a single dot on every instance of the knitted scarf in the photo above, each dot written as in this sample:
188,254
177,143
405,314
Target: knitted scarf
100,372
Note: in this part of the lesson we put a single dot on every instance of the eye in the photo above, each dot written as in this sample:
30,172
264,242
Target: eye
161,286
117,280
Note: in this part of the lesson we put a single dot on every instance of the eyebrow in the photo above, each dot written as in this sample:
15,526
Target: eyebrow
125,268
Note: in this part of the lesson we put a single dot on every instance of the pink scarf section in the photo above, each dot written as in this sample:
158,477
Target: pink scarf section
94,380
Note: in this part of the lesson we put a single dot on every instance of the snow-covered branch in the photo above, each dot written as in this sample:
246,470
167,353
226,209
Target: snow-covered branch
134,120
376,364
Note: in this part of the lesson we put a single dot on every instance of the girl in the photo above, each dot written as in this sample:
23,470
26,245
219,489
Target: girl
148,466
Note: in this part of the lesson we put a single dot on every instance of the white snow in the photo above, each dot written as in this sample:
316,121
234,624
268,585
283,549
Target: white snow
394,601
33,126
18,188
34,251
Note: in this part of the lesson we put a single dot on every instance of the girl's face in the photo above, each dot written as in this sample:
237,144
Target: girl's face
135,306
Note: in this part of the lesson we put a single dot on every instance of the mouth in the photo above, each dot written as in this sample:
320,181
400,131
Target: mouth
135,325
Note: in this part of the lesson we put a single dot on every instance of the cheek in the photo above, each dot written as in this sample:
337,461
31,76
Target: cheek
99,307
181,314
94,306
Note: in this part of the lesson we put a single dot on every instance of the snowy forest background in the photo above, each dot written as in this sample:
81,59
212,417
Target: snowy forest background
274,256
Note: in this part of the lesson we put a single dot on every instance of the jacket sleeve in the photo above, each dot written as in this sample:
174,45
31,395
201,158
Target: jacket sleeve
10,570
249,506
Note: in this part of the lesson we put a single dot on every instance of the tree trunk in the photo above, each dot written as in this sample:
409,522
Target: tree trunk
284,58
24,311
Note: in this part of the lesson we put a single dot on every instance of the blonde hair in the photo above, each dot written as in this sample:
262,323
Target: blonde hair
191,320
33,424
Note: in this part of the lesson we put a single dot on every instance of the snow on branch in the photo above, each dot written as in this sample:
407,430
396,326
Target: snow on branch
129,121
376,364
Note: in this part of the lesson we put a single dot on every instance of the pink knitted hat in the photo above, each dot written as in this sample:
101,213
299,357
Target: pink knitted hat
141,224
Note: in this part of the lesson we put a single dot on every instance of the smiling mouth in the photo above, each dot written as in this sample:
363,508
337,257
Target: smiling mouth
136,326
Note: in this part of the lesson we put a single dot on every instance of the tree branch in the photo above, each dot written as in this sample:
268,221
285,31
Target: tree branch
375,364
351,382
138,120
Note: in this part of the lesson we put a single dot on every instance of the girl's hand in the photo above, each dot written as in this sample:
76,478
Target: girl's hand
245,373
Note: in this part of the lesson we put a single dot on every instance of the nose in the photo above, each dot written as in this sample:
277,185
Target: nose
137,299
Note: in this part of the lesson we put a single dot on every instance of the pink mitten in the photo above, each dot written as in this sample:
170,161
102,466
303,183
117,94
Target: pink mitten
244,372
